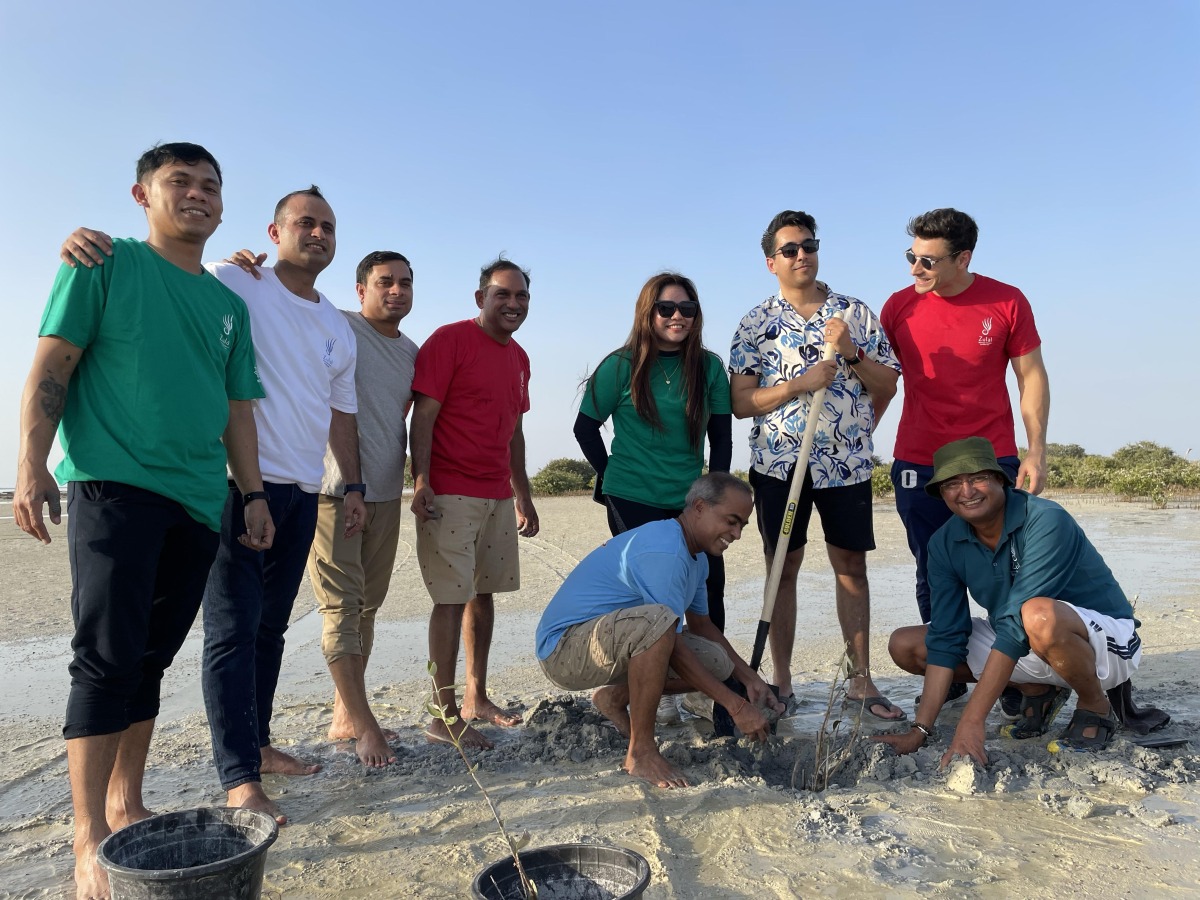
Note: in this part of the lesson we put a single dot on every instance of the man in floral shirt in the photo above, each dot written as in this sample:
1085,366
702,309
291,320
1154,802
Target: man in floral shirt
775,366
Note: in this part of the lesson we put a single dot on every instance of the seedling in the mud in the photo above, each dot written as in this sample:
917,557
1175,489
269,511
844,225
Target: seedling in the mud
828,756
440,711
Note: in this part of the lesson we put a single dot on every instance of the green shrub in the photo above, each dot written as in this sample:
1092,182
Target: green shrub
563,476
881,479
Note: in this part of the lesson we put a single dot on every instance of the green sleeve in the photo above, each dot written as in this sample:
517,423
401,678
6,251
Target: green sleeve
718,387
241,369
603,390
76,305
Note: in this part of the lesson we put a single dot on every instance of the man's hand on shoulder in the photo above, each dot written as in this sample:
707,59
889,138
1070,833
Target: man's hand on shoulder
248,262
85,246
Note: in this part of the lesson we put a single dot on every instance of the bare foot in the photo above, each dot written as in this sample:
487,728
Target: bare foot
91,881
610,703
865,687
651,767
121,814
373,750
348,734
276,762
487,711
437,733
252,796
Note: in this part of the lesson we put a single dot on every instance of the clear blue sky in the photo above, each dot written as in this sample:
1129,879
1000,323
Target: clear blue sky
599,143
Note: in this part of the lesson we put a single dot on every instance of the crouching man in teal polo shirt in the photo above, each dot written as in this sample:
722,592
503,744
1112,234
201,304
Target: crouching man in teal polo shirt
1056,621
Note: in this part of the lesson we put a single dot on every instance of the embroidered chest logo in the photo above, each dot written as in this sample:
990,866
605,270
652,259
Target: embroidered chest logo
226,330
985,336
1016,563
328,357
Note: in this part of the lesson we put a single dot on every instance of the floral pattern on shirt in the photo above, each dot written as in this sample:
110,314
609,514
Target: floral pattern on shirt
776,344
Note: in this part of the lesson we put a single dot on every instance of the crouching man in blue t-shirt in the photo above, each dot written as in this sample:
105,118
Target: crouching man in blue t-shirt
616,624
1056,621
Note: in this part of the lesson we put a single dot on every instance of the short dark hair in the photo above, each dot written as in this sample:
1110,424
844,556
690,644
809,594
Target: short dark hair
785,219
312,190
500,264
378,258
956,228
161,154
712,486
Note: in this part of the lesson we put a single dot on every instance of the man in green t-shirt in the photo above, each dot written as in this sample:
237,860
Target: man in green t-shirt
145,368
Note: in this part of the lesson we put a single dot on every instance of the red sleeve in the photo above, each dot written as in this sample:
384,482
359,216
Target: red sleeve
1024,337
435,365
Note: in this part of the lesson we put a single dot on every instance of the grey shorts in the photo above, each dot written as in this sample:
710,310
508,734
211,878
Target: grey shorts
597,652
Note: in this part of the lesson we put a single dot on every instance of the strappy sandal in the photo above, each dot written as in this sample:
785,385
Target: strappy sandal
1074,739
1037,714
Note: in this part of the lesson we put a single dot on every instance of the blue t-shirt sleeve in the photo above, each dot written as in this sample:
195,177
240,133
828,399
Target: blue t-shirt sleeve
699,604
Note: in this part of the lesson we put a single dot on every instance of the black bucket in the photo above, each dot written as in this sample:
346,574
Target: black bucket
195,854
574,871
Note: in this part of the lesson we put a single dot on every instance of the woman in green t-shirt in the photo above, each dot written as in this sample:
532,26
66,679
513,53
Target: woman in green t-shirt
664,393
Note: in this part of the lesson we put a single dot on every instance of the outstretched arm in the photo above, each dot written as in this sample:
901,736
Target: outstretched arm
1034,386
42,404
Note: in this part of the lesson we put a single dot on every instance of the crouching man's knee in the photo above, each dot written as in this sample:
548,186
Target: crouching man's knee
907,648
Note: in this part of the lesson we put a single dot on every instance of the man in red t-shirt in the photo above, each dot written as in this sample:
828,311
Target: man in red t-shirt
955,334
472,498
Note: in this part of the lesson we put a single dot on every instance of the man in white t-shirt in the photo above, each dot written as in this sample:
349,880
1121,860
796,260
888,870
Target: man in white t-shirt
306,357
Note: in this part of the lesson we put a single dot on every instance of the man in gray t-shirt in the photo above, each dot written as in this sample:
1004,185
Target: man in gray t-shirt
350,576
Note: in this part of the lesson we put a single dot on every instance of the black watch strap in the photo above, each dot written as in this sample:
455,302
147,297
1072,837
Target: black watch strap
361,488
858,357
255,495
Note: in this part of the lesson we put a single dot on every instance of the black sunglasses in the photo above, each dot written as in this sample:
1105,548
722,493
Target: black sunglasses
687,308
789,251
927,261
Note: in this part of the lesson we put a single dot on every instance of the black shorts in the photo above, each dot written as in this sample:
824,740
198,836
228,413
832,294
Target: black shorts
139,563
845,512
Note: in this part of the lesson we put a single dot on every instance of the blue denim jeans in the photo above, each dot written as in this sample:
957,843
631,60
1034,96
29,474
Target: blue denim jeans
247,604
922,515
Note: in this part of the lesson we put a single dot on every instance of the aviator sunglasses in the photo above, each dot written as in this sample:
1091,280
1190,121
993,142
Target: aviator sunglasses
789,251
687,308
927,261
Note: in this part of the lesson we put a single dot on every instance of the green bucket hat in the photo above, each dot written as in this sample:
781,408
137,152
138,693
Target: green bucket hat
973,454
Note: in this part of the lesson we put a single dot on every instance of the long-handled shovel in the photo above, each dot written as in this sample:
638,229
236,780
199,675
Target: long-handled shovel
722,721
789,517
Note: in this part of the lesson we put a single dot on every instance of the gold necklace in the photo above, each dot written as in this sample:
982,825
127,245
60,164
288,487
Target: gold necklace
674,372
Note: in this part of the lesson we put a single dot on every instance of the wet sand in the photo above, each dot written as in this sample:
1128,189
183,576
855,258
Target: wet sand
1126,822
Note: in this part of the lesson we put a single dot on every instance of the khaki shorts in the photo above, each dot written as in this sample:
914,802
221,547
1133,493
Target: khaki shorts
597,652
350,577
471,549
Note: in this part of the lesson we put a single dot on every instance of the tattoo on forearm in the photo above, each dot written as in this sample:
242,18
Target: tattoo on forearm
53,399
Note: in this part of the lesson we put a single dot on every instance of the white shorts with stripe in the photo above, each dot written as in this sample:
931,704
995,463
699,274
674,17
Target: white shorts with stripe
1116,644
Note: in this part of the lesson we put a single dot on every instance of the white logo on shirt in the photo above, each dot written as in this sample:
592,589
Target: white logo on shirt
328,357
227,322
985,338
